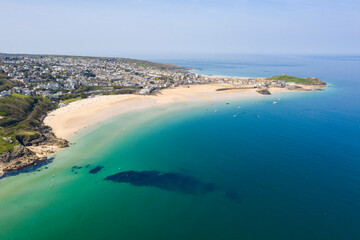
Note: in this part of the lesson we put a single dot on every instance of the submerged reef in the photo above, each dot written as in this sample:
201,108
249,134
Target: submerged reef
167,181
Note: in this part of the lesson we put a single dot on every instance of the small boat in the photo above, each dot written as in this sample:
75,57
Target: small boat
234,115
274,102
239,107
215,111
257,116
227,103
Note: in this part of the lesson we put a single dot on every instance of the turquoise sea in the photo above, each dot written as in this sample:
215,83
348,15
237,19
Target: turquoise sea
181,172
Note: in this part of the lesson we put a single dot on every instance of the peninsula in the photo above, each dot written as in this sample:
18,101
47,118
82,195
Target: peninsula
44,100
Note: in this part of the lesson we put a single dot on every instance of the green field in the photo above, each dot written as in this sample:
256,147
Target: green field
71,100
19,95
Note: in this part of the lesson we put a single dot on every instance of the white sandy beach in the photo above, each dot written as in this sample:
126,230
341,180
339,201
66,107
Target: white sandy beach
68,120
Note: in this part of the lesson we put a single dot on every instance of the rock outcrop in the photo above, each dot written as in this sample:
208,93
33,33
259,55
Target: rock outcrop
19,158
23,155
264,91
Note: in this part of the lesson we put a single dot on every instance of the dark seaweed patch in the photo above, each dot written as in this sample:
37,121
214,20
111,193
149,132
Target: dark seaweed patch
233,196
75,168
184,170
96,170
167,181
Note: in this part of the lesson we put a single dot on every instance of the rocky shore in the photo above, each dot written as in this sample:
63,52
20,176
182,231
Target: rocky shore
31,152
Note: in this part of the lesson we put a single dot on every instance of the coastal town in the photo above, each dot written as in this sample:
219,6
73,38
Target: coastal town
58,77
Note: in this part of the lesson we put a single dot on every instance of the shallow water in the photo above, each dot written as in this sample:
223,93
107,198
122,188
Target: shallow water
292,173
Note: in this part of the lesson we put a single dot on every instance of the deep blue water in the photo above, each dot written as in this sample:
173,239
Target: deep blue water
292,173
304,154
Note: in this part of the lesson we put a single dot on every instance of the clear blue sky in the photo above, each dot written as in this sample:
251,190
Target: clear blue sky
179,28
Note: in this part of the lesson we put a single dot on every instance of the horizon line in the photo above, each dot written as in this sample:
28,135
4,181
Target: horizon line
209,54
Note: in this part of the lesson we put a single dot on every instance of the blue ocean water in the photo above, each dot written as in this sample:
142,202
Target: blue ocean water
181,172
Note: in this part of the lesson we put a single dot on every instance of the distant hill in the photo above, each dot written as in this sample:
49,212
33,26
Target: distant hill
163,66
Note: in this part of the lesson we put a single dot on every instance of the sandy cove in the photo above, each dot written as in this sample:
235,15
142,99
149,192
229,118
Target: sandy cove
68,120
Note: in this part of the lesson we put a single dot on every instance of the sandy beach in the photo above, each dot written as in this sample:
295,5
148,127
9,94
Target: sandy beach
68,120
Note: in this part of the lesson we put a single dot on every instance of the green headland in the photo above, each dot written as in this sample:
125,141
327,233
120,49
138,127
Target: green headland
286,78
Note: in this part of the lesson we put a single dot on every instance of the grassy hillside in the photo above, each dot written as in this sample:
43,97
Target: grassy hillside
21,118
286,78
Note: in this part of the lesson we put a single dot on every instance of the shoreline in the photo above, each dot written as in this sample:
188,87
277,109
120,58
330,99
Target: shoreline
71,119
